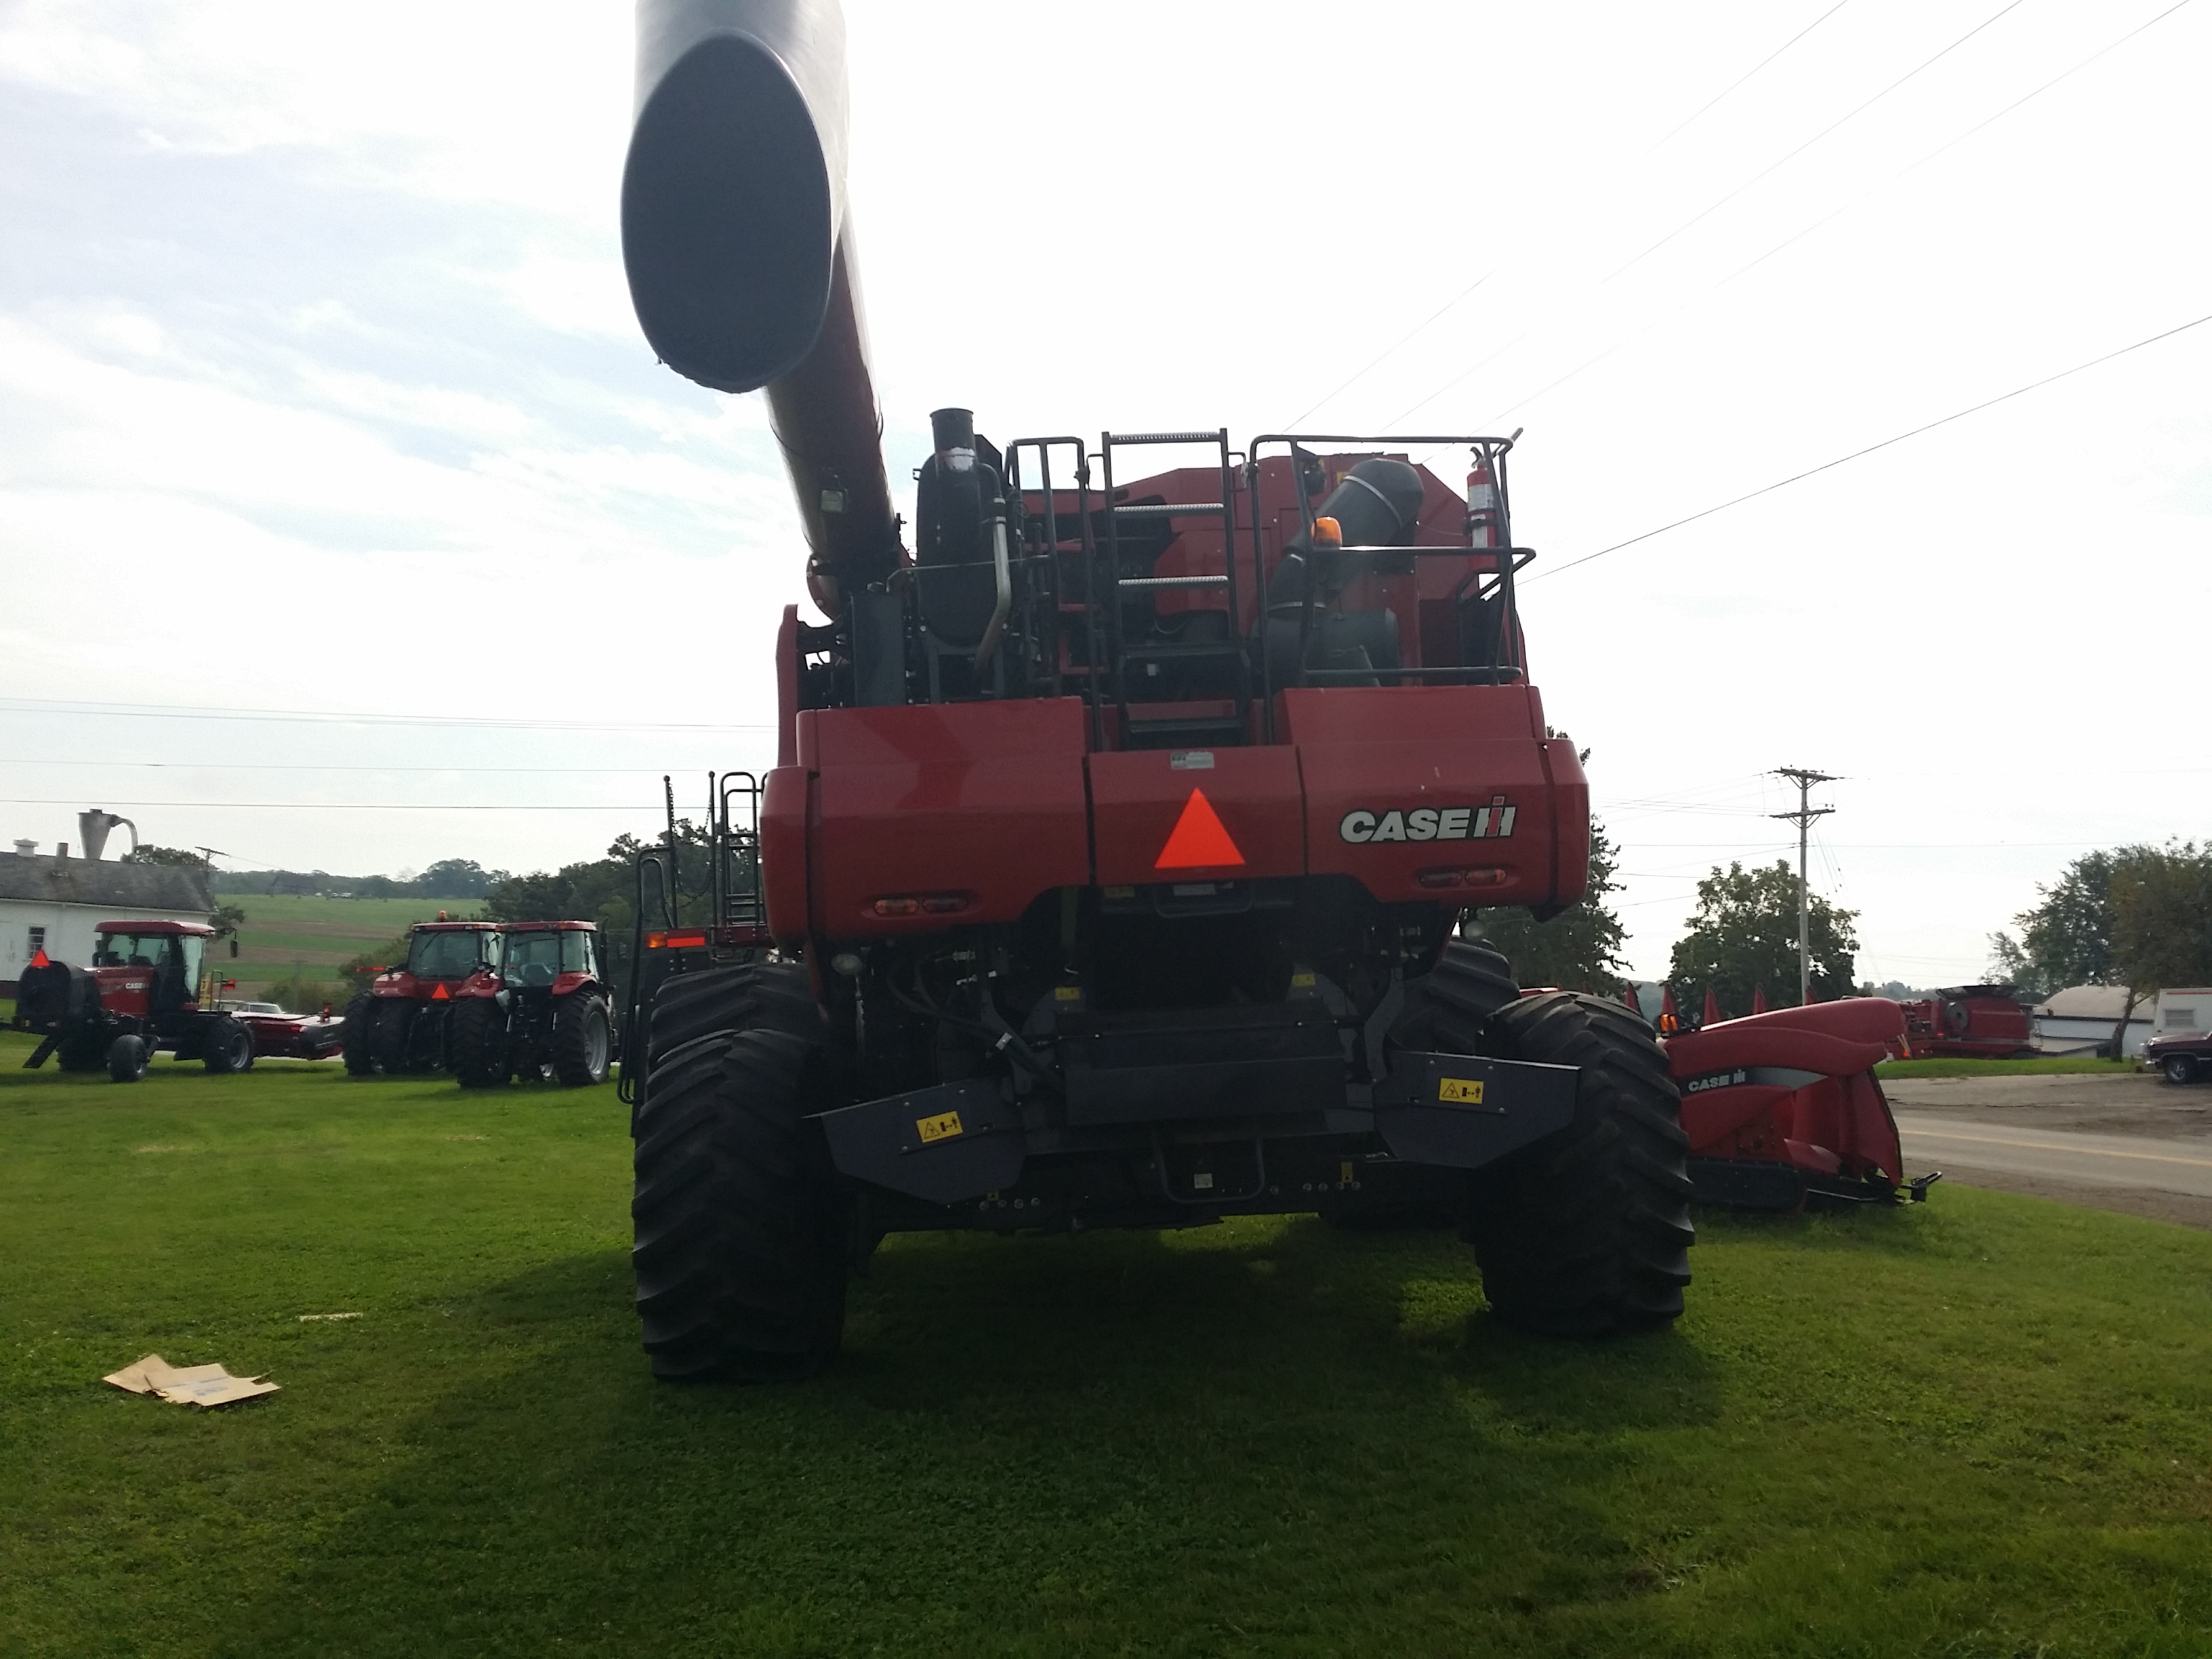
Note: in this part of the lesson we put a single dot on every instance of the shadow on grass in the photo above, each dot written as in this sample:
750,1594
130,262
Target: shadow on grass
1044,1445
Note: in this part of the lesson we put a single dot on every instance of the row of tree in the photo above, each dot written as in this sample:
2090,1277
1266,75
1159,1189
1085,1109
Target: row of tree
2136,916
447,878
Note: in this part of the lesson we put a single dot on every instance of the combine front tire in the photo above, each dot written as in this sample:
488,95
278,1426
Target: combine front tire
358,1037
126,1059
776,995
1587,1232
477,1037
227,1046
740,1235
583,1042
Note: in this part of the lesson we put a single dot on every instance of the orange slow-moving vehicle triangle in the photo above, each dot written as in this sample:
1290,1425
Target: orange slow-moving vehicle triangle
1198,839
441,995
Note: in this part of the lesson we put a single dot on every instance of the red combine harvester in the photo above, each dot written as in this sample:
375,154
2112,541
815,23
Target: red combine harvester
141,995
1783,1106
1976,1021
399,1023
1121,829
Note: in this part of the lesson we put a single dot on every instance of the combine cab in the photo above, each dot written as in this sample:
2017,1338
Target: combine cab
545,1015
140,996
1122,828
402,1023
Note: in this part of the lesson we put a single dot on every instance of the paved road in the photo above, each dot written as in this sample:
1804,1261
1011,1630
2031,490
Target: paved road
2112,1141
1934,1140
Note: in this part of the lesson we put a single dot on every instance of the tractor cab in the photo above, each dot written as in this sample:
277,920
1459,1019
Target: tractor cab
149,969
452,950
549,957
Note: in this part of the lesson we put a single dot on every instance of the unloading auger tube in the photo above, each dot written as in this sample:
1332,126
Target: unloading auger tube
738,247
1113,869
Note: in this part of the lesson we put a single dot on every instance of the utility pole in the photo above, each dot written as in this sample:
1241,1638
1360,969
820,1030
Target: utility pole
1802,817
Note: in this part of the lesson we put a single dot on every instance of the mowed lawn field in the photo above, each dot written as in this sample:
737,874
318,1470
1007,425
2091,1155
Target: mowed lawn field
1979,1426
314,936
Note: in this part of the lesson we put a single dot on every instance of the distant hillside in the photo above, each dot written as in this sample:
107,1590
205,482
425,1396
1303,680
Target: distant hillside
448,878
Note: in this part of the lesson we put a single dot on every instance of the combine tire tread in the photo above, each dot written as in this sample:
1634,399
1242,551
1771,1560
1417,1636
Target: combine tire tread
477,1036
688,1007
1587,1233
583,1040
740,1248
1449,1008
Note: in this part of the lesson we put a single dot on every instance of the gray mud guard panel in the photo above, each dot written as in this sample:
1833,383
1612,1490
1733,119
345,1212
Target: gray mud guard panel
1461,1112
956,1141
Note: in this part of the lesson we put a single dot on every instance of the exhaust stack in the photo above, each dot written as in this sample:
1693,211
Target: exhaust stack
738,247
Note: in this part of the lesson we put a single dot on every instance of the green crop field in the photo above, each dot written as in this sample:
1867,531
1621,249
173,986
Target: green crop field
312,938
1981,1426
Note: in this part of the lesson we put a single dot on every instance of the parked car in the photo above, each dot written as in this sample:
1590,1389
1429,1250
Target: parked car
2183,1056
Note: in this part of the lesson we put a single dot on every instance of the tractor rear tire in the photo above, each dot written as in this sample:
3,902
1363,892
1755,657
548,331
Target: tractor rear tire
1587,1232
227,1046
688,1007
358,1037
393,1036
583,1040
126,1059
477,1039
740,1250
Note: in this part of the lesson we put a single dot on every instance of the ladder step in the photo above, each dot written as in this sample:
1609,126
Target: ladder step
1167,509
1173,581
1185,725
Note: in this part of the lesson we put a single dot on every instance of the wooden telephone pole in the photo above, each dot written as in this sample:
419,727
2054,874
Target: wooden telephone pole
1802,817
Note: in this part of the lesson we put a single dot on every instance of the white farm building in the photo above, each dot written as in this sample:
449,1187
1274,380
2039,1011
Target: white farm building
52,901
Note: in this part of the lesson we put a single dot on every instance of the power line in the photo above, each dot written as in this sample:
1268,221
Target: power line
2011,5
349,806
324,716
1381,356
1796,236
1752,71
331,766
1810,472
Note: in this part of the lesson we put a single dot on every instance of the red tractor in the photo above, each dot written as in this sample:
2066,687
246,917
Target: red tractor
545,1013
142,994
400,1022
1122,828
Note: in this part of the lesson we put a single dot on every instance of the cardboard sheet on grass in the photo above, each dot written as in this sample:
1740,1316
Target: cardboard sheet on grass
187,1385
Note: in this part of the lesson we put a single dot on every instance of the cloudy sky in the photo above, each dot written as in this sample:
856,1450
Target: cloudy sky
346,522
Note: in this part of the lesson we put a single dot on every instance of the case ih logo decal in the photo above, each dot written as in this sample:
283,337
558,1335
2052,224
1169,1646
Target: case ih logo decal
1697,1086
1493,822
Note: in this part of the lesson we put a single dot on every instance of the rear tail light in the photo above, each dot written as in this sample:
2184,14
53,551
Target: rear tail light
933,904
1461,876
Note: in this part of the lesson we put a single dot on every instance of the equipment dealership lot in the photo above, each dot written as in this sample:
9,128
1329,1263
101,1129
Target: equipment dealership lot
1975,1426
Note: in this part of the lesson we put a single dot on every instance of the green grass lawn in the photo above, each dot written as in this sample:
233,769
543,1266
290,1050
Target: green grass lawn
1942,1065
315,937
1979,1426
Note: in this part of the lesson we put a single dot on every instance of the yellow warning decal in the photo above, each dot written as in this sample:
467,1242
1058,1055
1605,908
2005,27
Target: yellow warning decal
1463,1090
1067,993
943,1126
1302,981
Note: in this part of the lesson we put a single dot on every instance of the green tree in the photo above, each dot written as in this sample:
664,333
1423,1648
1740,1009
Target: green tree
458,879
2066,939
177,858
1744,938
2162,910
1580,945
